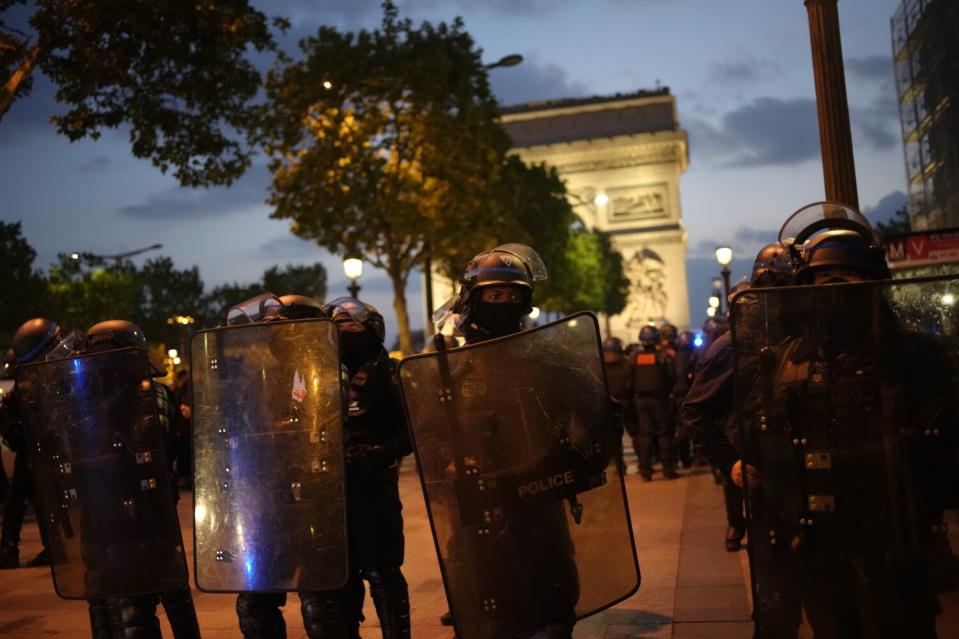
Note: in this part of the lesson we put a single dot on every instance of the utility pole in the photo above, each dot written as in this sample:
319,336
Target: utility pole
835,135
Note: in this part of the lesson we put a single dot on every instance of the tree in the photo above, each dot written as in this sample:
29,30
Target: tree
177,73
302,280
22,289
898,224
84,291
383,143
220,299
165,292
589,276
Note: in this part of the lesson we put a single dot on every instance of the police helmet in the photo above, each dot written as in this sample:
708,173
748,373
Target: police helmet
649,336
842,248
686,341
773,266
111,334
34,338
506,265
612,345
669,332
352,309
299,307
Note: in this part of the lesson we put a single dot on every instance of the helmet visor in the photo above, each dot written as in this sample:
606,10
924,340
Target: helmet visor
67,346
802,224
348,308
254,310
529,257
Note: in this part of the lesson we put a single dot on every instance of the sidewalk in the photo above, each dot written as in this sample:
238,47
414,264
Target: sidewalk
691,587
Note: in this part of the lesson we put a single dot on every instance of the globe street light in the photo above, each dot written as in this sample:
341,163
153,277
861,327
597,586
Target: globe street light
353,268
724,255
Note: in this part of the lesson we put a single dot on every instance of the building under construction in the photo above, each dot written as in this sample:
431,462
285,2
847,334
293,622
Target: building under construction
925,42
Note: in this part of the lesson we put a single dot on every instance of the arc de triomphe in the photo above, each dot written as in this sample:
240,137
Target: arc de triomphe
621,157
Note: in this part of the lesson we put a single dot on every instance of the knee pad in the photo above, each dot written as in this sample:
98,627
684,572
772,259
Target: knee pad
134,617
325,615
259,615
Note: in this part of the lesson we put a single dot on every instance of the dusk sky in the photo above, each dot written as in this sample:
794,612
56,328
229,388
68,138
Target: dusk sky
740,69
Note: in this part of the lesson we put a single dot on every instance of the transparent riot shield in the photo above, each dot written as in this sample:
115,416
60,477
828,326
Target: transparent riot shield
847,409
103,484
269,512
515,441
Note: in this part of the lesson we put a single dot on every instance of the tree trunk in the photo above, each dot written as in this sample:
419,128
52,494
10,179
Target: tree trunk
402,314
21,74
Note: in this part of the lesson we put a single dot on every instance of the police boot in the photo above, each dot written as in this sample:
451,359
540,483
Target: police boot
42,559
181,614
99,619
9,556
134,617
260,616
325,615
391,599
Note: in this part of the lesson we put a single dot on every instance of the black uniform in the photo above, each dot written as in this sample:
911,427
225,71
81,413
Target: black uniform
684,363
375,438
709,416
619,376
135,617
652,384
21,486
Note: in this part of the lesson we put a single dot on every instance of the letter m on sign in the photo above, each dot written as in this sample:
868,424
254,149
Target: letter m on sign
896,251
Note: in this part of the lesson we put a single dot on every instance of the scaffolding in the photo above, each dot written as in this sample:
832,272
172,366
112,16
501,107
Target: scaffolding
925,47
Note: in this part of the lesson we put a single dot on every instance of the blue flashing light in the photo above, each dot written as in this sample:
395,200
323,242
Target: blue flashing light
248,564
698,342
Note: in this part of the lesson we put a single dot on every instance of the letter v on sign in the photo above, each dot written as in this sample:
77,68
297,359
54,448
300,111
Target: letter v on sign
918,248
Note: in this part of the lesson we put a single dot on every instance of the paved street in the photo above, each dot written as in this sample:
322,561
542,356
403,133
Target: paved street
691,587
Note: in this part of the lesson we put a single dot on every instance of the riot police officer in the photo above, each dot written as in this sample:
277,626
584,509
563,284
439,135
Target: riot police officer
135,617
375,440
652,383
848,429
32,341
619,376
708,411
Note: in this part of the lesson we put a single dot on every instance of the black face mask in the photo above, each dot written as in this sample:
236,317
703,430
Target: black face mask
358,348
500,319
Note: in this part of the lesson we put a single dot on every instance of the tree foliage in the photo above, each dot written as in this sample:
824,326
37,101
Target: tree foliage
898,224
21,287
165,292
85,291
383,143
589,276
177,73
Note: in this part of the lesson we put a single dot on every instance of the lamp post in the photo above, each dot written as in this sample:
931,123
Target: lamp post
353,268
835,136
724,255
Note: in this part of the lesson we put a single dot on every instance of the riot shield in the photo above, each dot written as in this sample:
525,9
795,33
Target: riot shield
103,483
515,440
269,512
847,409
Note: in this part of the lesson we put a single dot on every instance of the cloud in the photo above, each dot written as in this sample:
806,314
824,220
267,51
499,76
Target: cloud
288,247
30,115
533,81
178,204
878,123
874,68
96,164
886,207
505,7
745,70
756,236
767,131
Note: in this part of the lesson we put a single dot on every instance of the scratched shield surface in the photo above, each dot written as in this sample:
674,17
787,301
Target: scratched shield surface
103,483
515,439
848,412
269,512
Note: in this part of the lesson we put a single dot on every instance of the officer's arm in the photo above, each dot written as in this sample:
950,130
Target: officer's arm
708,403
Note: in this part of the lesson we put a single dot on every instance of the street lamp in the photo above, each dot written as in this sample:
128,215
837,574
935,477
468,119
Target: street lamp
724,255
353,268
119,257
711,311
510,60
713,301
